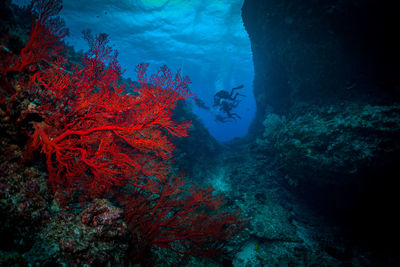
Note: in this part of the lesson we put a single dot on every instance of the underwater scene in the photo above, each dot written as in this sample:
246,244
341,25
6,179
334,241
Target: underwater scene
199,133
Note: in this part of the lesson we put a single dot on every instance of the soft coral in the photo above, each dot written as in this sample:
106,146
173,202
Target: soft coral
104,137
47,30
181,218
99,139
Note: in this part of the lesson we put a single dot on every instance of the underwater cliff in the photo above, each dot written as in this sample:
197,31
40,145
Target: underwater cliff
327,98
102,169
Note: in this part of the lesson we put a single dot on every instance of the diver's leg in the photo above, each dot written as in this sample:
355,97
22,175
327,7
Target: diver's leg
236,95
233,90
236,115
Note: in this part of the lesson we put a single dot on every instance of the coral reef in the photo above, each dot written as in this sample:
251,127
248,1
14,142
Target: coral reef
182,220
24,200
345,139
98,141
96,236
90,163
283,228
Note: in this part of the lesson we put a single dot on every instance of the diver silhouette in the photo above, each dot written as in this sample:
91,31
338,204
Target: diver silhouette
226,101
225,95
200,103
220,118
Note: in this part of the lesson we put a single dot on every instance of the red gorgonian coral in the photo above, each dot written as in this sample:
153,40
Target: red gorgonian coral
100,140
97,136
183,219
46,32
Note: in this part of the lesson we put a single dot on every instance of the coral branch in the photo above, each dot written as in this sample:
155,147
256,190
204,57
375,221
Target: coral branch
181,219
100,140
47,30
96,136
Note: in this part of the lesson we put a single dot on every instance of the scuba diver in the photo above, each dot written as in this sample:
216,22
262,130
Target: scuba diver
226,101
220,118
224,95
226,107
200,103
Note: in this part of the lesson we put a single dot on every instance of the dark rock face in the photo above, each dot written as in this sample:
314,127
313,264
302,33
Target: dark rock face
327,90
322,52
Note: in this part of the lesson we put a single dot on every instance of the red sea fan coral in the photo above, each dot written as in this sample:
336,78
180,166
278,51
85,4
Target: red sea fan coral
99,139
44,45
47,30
96,136
180,218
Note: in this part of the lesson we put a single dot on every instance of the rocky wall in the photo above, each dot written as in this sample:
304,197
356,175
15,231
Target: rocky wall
322,52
